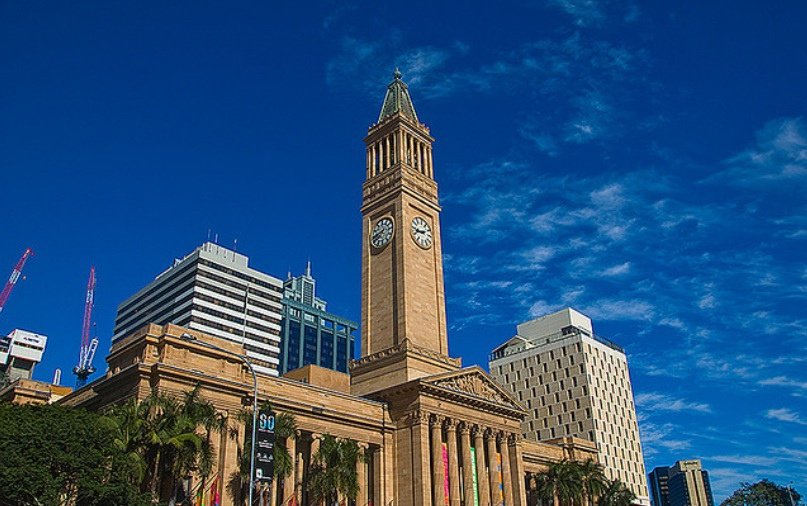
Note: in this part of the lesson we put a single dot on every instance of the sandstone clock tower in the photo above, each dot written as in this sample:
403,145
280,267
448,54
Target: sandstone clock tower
403,299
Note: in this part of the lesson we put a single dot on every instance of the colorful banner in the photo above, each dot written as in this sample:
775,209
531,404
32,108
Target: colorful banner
498,493
446,487
215,497
200,496
473,472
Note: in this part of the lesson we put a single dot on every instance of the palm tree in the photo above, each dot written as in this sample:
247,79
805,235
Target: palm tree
616,493
333,470
593,479
561,483
167,438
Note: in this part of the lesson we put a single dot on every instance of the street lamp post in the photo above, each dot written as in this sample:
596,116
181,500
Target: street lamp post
245,360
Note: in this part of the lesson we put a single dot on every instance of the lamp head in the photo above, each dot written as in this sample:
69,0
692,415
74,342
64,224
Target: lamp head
187,337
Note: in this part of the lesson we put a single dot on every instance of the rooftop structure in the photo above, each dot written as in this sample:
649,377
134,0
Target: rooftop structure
20,351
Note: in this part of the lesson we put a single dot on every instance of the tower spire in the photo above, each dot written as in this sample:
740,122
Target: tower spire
397,99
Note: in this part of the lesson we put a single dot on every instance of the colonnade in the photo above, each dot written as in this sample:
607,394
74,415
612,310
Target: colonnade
472,464
396,146
304,446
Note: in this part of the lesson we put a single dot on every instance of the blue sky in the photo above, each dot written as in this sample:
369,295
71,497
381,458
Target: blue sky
645,163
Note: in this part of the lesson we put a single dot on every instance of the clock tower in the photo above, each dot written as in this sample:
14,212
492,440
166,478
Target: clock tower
403,300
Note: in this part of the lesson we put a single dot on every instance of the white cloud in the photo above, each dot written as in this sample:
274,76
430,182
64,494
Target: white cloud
617,270
751,460
617,309
654,401
779,156
584,12
785,415
610,196
543,308
784,381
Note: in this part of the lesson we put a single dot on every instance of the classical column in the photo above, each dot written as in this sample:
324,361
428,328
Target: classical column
507,480
494,475
290,480
361,474
467,465
296,490
273,493
517,470
378,470
453,463
401,145
482,478
438,469
315,441
422,479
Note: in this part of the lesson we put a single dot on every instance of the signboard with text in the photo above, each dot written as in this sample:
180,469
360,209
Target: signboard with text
265,446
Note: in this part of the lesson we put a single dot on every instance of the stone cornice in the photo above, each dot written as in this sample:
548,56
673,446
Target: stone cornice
383,357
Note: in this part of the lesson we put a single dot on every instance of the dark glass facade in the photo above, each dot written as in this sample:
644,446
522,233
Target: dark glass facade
313,336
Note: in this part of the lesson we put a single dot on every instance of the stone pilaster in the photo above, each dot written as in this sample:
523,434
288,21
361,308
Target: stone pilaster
361,474
494,475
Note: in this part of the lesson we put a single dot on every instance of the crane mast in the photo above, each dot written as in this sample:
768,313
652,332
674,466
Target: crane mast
88,346
15,275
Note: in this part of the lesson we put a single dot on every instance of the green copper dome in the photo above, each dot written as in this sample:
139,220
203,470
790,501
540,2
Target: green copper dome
397,99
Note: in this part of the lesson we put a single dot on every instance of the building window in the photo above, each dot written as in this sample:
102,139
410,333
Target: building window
326,350
309,345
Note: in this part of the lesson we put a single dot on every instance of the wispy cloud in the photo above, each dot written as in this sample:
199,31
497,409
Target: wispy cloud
750,460
654,401
779,156
785,415
784,381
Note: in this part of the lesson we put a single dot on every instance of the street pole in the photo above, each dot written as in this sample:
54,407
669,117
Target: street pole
790,493
245,360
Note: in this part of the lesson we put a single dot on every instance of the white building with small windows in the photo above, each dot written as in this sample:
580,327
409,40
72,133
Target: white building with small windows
213,290
575,383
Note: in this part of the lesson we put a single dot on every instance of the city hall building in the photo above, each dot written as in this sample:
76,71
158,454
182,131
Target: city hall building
433,432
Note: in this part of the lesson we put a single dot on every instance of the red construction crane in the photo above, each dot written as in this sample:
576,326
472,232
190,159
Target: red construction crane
15,275
88,347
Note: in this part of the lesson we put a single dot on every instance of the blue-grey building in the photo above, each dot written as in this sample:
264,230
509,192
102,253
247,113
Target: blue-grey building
309,333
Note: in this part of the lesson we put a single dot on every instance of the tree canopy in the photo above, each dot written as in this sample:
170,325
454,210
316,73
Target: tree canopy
52,454
762,493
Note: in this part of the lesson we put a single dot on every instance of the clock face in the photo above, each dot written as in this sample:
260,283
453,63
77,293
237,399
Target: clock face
421,233
382,233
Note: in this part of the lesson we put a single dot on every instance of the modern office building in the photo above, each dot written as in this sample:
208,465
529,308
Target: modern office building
683,484
213,290
20,351
659,486
310,334
575,383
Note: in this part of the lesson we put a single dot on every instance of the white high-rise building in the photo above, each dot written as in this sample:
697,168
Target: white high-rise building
20,351
575,383
213,290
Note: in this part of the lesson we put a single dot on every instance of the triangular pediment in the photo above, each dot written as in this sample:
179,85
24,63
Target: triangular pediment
475,383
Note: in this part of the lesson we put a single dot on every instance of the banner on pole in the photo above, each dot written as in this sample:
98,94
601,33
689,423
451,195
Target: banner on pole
265,447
